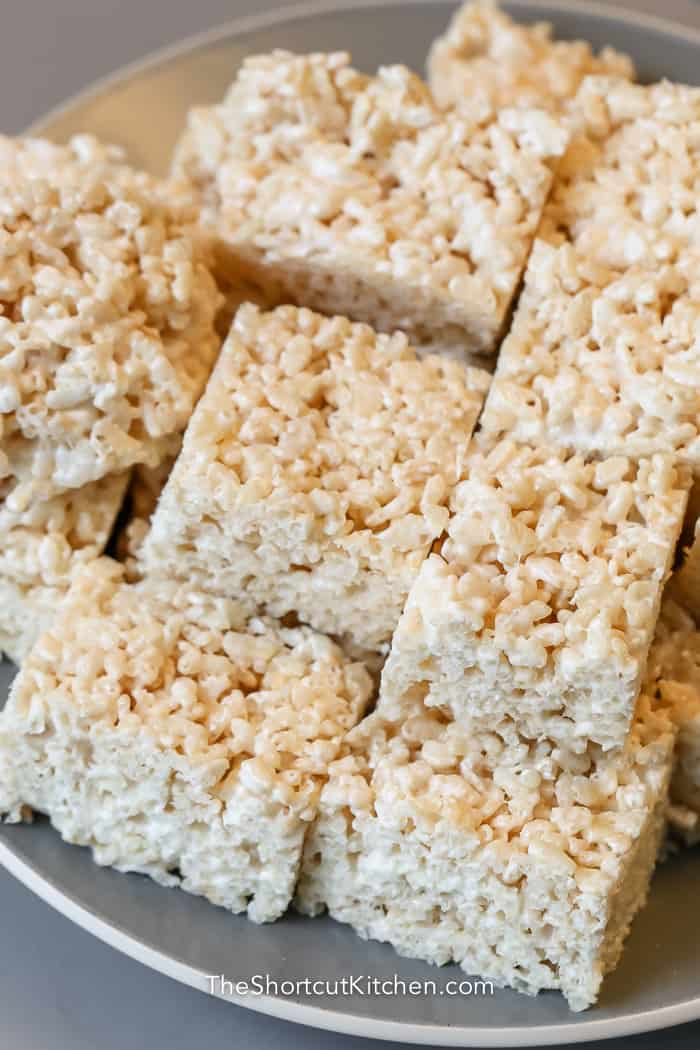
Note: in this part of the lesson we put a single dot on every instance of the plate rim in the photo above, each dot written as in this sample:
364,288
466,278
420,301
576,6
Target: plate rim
428,1034
612,12
654,1019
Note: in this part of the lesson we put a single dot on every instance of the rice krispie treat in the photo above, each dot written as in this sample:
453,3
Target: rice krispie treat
40,550
541,606
603,354
156,726
355,195
315,471
521,863
485,61
107,310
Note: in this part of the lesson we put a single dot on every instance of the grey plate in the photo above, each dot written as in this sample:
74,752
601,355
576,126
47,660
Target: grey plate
658,982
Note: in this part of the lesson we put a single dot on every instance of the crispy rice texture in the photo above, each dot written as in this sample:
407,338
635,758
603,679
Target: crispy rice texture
107,310
315,472
355,195
541,606
673,678
159,727
485,61
41,547
523,863
603,354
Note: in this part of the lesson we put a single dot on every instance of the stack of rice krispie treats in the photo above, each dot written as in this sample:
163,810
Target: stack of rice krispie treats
355,491
542,571
602,355
313,477
165,718
107,309
504,805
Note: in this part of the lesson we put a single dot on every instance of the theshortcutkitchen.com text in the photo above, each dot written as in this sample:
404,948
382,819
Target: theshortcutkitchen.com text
362,985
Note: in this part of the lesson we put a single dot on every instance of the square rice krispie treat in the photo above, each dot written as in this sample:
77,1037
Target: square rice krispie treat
153,724
485,61
107,311
40,550
521,863
541,606
355,195
603,355
315,472
673,679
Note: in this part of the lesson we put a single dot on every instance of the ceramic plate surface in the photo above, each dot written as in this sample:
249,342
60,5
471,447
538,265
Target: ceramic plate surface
658,981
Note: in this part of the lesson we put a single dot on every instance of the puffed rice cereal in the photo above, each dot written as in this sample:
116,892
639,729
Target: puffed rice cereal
541,606
107,310
355,195
155,725
603,355
40,550
520,862
485,61
315,471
